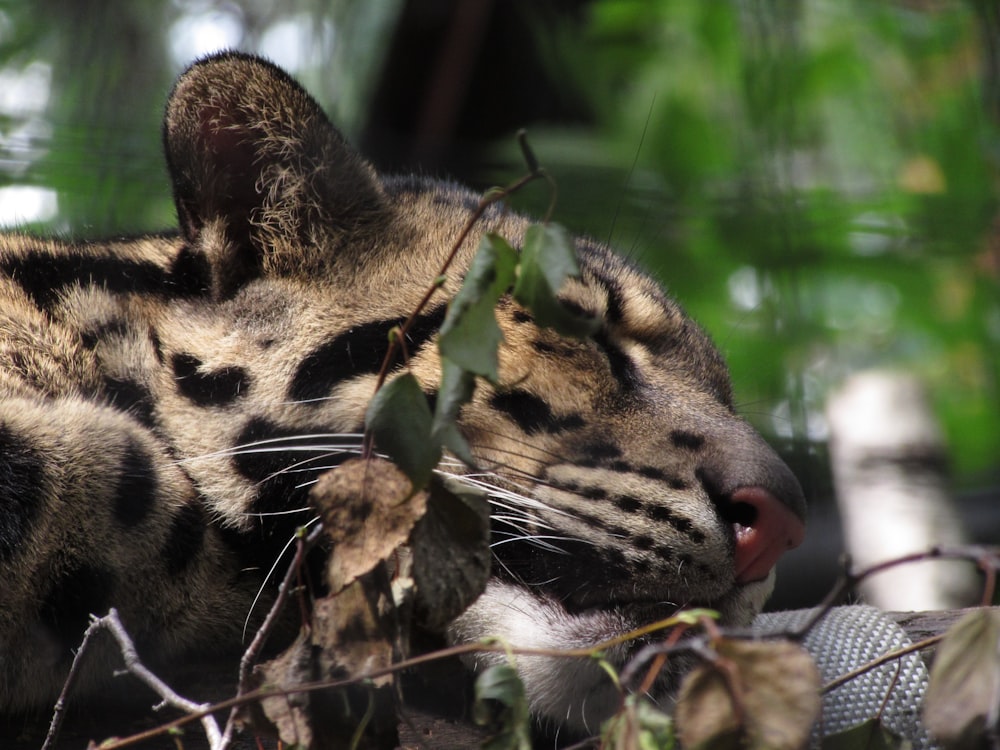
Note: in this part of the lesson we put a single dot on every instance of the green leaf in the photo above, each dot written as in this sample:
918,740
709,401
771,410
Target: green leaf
548,258
457,386
638,725
871,735
501,703
963,695
399,418
470,334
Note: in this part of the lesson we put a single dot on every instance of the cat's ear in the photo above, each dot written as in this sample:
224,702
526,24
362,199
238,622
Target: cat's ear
262,181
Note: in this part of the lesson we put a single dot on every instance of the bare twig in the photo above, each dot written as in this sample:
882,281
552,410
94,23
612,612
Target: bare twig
134,666
987,560
250,656
898,653
59,709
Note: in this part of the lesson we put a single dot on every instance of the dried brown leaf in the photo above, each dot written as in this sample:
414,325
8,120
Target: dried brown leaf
963,695
765,694
368,509
288,715
353,634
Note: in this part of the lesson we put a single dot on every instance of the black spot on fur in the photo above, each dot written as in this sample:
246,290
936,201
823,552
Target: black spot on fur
68,605
355,630
44,276
628,504
616,557
185,538
531,413
665,552
643,542
190,274
685,439
216,388
615,309
543,347
135,494
642,567
154,341
623,369
357,351
657,474
130,397
520,316
21,491
114,328
601,450
683,525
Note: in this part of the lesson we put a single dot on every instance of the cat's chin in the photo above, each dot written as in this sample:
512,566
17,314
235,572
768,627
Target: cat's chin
576,693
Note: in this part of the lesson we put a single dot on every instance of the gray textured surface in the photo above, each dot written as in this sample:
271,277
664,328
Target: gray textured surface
845,639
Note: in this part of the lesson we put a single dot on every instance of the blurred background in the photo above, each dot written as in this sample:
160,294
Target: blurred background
815,180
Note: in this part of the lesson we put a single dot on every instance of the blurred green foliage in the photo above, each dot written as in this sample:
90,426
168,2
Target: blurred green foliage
814,179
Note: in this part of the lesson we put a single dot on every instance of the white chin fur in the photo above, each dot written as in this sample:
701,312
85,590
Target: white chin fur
571,692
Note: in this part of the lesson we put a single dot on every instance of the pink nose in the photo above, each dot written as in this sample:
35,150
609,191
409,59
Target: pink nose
775,529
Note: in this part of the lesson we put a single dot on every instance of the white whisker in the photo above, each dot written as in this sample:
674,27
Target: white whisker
270,572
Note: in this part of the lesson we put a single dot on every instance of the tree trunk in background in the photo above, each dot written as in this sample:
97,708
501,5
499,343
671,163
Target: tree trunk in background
890,472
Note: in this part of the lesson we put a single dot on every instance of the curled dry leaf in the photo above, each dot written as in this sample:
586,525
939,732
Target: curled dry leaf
963,695
757,694
368,509
451,553
287,714
353,634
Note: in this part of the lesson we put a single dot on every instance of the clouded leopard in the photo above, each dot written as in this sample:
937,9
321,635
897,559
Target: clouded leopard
141,377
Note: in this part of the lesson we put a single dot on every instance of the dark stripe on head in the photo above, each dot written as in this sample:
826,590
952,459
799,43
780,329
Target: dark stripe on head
44,276
623,369
114,328
531,413
358,351
217,388
685,439
190,274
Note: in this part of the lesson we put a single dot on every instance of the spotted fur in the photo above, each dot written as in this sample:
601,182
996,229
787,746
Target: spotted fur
168,400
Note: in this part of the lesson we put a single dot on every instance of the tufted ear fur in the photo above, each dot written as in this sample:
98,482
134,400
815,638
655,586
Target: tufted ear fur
263,183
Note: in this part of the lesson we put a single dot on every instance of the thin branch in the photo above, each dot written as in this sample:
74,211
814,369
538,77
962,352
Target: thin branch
250,656
878,662
986,558
134,666
59,709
